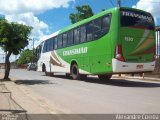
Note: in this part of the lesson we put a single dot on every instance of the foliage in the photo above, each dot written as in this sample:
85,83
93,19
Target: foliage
13,39
83,12
13,36
27,56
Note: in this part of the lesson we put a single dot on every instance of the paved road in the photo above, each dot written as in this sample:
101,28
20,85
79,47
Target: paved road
92,95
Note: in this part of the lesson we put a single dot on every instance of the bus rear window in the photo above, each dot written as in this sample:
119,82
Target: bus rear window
136,19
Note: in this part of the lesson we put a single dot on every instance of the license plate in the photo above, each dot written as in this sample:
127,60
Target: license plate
139,66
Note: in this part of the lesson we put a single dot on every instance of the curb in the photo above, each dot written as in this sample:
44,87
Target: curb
151,79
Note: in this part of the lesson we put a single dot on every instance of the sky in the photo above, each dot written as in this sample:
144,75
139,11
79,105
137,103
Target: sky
48,16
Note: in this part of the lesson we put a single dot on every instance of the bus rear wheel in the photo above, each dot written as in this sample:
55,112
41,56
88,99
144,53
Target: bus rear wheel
75,72
67,75
104,77
83,77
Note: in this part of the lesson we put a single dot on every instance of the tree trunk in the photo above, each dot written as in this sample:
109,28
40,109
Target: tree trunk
7,65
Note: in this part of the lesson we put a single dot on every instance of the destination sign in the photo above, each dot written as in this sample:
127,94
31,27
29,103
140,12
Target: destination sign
136,15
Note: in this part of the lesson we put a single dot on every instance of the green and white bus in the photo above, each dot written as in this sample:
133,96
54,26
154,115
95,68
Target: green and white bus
115,41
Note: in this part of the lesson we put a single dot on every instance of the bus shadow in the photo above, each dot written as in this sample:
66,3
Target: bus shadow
122,83
114,82
32,82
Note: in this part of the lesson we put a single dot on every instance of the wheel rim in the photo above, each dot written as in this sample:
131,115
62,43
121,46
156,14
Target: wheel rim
75,71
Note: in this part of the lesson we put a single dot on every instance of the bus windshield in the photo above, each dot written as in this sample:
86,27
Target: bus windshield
136,19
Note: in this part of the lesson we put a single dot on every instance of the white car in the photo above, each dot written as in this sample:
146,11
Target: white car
32,66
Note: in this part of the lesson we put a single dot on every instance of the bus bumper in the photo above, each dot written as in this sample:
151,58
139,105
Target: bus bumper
124,67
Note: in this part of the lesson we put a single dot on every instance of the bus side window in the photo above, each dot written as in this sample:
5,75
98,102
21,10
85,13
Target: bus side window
76,35
45,47
38,51
48,45
70,38
106,24
40,48
64,39
55,43
83,34
89,28
97,29
59,40
51,44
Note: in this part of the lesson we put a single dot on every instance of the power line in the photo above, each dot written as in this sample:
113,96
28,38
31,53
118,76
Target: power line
112,3
119,3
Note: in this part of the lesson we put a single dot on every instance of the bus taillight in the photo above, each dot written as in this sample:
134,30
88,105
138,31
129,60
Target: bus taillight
118,53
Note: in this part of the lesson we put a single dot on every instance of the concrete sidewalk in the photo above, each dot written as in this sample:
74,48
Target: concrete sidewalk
20,98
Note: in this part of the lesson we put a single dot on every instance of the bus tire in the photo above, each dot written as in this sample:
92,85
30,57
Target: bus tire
75,72
43,68
48,73
83,76
67,75
104,77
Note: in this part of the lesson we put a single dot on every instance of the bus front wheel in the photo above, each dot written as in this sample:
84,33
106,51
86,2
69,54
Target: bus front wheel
43,68
104,77
75,72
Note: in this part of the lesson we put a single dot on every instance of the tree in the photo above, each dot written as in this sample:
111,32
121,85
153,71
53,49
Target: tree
27,56
83,12
13,39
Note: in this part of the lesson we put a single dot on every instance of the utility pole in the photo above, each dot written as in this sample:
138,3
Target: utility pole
119,3
33,50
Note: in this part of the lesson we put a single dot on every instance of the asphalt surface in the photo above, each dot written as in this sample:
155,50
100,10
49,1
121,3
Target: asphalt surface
92,95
